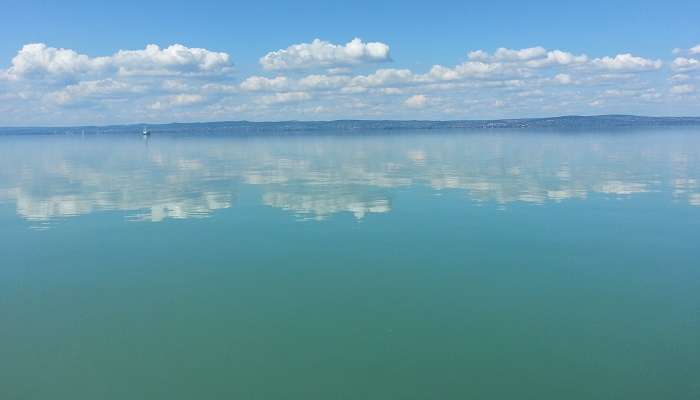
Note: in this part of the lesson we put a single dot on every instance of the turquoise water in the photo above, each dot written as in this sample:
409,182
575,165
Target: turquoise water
424,265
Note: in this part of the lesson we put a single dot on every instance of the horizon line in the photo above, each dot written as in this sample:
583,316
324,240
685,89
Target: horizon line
345,120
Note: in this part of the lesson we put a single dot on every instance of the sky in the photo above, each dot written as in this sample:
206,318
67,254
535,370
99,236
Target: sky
90,62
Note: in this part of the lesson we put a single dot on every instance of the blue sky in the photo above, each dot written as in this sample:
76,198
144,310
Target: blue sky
415,38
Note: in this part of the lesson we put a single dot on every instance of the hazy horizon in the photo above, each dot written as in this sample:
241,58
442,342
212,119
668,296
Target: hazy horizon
554,117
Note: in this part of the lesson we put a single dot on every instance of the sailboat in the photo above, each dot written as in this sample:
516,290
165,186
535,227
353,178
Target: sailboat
146,132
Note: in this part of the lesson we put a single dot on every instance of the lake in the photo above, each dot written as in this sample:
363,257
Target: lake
405,265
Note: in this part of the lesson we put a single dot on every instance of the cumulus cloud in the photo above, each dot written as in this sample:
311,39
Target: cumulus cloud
178,100
416,101
261,83
383,77
98,89
694,50
679,78
285,97
471,69
175,59
627,62
557,57
504,54
323,82
685,64
322,54
186,99
39,60
563,79
532,57
683,89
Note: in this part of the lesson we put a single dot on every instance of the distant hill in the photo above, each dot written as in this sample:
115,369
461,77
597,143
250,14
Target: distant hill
234,127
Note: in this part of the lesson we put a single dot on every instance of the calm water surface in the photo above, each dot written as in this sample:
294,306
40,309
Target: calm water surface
435,265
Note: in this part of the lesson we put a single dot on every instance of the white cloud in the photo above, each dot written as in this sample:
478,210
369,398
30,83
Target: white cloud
532,57
504,54
221,88
650,95
175,59
679,78
322,54
323,82
283,98
563,79
416,101
260,83
694,50
683,89
186,99
391,91
475,70
37,58
383,77
339,70
175,85
685,64
178,100
627,62
98,89
557,57
40,60
353,90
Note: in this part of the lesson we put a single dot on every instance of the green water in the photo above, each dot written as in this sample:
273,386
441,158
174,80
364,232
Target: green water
435,265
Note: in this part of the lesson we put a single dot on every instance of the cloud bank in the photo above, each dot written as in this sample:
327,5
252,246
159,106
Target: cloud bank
321,80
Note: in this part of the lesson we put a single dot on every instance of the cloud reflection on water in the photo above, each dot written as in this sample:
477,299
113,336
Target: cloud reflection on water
314,177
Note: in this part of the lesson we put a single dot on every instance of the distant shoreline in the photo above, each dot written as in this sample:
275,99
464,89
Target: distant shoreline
232,127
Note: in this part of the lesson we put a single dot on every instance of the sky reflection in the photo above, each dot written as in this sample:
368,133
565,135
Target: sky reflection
315,177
